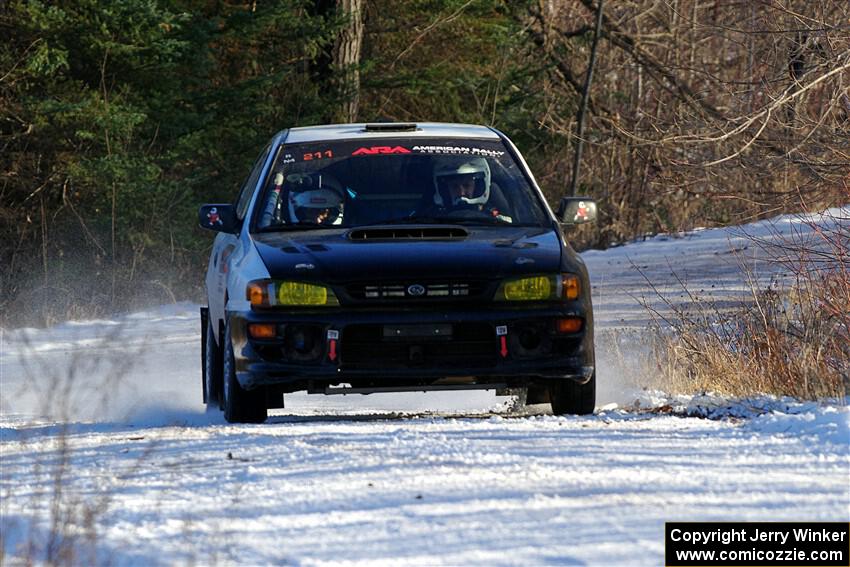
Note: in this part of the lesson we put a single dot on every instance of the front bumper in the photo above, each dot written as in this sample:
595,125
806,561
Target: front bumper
406,348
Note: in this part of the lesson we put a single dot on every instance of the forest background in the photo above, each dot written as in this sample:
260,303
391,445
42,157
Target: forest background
119,118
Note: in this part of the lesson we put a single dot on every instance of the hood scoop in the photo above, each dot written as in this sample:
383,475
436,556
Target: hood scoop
409,233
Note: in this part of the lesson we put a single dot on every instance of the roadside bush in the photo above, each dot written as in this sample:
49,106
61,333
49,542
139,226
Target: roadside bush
790,338
50,513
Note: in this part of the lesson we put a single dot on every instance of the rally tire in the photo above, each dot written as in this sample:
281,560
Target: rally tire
571,398
240,405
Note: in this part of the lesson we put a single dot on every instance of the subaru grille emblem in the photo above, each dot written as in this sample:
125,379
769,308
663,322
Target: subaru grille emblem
416,290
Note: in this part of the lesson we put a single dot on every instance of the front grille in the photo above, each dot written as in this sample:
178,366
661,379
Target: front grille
368,346
417,291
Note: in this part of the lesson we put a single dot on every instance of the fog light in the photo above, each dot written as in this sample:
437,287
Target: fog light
262,330
529,338
568,325
302,342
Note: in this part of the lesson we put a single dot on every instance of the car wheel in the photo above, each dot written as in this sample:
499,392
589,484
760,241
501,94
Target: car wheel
570,397
240,405
212,369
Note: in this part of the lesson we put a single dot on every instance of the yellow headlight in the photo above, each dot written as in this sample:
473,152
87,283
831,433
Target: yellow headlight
270,293
528,289
298,293
540,288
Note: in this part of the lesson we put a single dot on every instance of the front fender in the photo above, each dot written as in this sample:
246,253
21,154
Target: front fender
247,265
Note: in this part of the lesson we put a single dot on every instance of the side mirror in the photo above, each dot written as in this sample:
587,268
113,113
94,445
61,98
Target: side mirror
576,210
220,218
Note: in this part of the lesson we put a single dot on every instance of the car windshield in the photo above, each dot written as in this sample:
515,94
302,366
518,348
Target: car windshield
396,181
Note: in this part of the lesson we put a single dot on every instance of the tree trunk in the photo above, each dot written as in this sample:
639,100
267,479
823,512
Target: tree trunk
584,96
346,56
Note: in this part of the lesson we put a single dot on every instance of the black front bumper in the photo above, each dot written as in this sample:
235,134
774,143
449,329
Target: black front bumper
407,347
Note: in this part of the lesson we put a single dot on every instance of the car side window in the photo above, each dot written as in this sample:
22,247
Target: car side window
250,184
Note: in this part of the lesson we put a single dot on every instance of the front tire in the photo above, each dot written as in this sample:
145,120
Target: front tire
570,397
240,405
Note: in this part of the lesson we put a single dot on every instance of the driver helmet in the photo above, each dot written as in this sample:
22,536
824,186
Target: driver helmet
314,198
461,181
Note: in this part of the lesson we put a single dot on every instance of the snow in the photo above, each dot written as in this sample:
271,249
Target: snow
109,411
433,490
708,262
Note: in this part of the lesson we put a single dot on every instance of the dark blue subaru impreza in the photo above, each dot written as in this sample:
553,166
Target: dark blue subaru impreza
363,258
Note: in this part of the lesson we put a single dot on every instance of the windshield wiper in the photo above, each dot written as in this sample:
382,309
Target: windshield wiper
408,220
436,220
485,220
299,226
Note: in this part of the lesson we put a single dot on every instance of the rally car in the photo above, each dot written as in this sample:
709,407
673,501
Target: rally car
364,258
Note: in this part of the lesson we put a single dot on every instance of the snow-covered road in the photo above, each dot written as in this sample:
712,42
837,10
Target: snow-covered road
432,490
112,409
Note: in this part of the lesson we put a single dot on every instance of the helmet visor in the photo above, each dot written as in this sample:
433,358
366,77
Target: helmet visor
324,215
321,206
465,185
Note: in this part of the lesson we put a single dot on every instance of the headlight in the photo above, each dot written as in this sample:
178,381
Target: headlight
273,293
540,288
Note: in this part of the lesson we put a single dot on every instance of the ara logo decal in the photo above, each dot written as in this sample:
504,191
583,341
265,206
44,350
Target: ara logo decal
380,150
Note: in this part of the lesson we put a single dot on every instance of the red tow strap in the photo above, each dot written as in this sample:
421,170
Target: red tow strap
502,333
333,337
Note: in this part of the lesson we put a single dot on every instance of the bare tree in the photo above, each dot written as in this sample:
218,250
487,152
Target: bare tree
702,110
346,56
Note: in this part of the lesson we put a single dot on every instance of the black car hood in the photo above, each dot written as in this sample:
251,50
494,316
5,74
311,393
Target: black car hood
484,252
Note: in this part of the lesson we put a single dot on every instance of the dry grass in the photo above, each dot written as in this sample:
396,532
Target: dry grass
60,523
790,339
